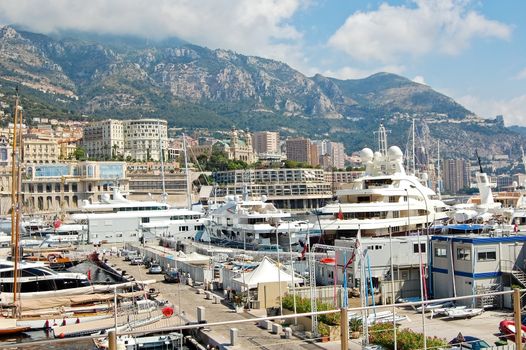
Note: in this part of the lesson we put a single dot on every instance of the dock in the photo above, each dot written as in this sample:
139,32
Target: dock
187,299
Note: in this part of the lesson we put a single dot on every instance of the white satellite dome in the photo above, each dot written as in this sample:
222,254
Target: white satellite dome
394,153
366,154
378,155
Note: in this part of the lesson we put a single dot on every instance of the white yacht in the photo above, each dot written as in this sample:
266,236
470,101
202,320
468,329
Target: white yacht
118,219
36,280
386,200
253,224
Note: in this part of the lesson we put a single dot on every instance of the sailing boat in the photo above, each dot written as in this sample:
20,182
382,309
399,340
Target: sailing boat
8,325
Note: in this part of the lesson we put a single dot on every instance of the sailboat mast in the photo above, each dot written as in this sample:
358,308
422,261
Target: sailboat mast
187,174
13,172
413,160
439,174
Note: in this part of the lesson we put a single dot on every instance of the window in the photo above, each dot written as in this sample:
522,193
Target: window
486,255
463,254
440,252
145,220
393,199
183,228
422,248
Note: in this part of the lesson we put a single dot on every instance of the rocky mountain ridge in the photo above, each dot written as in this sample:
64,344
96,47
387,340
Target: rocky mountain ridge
194,87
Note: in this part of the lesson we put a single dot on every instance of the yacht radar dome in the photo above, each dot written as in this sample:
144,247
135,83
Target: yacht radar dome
366,154
394,153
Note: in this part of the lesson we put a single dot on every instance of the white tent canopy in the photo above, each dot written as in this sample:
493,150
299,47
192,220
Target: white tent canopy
192,258
266,272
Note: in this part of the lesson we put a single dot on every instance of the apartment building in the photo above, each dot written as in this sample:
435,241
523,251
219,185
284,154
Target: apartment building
293,189
36,150
455,174
302,150
138,139
145,138
266,142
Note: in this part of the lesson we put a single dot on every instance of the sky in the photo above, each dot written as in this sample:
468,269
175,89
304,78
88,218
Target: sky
471,50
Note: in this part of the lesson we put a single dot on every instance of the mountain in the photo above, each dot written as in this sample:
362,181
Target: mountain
192,87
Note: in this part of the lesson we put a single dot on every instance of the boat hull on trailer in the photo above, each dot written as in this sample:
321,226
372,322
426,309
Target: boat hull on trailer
507,328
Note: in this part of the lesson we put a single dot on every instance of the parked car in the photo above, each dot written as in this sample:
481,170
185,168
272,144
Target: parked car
468,342
172,276
155,269
136,261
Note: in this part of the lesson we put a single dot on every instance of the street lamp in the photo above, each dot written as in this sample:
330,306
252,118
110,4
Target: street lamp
275,223
420,267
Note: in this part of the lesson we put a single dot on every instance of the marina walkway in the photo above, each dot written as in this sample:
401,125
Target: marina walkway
250,336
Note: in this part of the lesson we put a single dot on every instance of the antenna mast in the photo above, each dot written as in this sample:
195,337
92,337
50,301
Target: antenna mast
187,173
161,158
382,140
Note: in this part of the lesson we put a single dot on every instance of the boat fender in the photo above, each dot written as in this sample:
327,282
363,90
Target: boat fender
61,335
168,311
77,321
46,324
63,322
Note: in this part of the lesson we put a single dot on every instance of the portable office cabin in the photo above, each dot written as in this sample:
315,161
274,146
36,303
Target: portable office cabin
470,265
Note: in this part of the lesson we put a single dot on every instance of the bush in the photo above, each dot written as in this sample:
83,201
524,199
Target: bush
303,305
382,334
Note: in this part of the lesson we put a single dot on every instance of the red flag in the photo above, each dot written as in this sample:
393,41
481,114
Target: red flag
340,214
305,249
57,223
89,275
516,228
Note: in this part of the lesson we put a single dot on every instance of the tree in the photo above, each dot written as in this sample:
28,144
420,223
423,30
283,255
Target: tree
80,153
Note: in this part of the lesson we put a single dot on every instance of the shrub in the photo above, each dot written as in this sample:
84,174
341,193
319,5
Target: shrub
382,334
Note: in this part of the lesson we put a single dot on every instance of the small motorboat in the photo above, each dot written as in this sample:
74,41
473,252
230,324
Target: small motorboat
444,310
507,328
463,313
434,306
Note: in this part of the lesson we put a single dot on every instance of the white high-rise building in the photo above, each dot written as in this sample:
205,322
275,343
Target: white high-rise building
266,142
335,151
138,139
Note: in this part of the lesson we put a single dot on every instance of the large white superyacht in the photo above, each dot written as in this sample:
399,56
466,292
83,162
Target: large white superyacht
253,223
119,219
384,201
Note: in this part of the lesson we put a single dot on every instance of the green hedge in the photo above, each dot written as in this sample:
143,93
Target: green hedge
406,339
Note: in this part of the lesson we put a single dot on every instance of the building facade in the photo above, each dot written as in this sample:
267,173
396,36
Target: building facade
293,189
145,139
104,139
141,139
40,151
266,142
298,150
455,174
63,186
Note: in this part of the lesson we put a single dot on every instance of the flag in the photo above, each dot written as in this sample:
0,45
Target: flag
89,275
356,248
516,228
340,214
305,250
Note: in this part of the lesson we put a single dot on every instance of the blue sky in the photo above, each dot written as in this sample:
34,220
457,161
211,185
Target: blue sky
473,51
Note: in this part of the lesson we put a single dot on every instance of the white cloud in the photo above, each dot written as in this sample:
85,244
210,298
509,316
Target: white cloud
419,79
250,27
357,73
513,110
521,75
445,26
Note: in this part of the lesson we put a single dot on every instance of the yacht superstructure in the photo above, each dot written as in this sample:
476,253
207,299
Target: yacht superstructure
252,223
118,219
384,201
